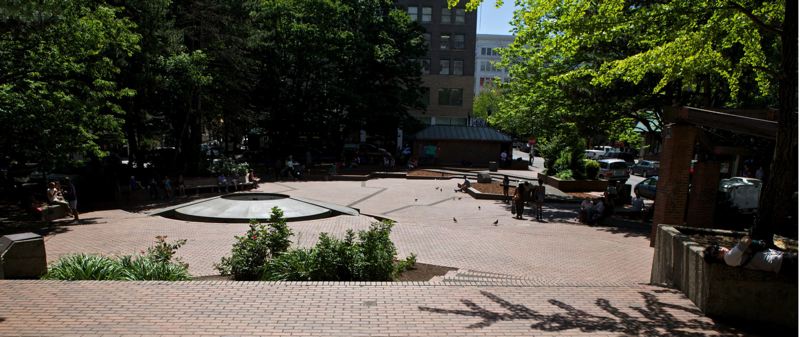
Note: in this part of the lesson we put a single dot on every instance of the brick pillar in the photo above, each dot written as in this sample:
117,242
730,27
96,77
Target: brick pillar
703,196
673,181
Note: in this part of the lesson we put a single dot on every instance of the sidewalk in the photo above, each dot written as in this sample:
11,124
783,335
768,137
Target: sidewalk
207,308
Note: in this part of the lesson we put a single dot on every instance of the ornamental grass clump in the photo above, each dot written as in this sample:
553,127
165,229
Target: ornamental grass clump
157,263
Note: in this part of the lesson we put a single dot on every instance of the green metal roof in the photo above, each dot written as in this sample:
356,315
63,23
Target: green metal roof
457,132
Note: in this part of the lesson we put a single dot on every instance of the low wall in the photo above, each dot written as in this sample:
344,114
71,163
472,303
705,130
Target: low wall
720,291
574,185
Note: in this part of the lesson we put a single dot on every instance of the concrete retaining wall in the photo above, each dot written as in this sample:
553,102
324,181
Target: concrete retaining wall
574,185
721,291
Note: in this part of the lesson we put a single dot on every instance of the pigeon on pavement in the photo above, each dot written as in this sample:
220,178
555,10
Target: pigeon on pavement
454,219
496,221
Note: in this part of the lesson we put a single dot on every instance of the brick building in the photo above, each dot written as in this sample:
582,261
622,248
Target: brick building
448,67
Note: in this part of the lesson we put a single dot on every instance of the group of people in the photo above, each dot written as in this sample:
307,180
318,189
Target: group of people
64,196
523,193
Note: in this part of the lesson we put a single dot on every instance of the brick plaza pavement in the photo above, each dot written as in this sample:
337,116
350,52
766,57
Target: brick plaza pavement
544,278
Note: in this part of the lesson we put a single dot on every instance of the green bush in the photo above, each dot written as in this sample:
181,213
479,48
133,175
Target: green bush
156,264
146,268
592,168
251,252
370,257
564,175
84,267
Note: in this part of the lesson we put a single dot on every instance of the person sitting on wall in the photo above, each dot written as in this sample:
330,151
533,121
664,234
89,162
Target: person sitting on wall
463,186
596,212
753,254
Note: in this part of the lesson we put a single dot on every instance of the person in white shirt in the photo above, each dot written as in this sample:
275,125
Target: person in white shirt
753,254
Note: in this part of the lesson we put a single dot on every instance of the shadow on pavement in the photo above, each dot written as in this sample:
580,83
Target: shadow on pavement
655,320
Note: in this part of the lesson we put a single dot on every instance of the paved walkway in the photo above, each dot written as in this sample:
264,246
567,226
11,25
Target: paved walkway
519,278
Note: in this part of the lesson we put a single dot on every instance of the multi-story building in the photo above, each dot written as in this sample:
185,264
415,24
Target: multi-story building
448,67
486,55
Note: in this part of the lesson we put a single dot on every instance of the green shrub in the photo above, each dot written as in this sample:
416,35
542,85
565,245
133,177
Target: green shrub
146,268
592,168
84,267
375,261
156,264
251,252
293,265
278,238
164,251
564,175
368,258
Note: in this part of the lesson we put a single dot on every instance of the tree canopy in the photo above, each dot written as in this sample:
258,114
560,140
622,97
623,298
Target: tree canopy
77,75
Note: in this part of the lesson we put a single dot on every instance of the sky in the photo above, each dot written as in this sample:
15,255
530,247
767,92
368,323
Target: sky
493,20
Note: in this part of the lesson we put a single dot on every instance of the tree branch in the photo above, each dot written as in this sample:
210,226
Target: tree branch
755,19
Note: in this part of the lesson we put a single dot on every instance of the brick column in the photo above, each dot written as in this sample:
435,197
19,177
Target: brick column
673,181
703,196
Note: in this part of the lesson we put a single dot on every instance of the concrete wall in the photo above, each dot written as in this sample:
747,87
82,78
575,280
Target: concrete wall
720,291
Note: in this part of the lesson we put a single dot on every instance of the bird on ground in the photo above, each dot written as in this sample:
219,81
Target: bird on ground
415,200
459,198
496,221
454,219
479,207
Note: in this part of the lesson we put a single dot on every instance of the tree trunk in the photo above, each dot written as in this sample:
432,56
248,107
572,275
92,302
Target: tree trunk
778,204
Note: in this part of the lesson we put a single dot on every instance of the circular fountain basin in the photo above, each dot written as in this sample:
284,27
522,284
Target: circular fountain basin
243,207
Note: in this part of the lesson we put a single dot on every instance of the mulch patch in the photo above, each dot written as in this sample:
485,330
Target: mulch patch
492,188
730,241
426,173
420,272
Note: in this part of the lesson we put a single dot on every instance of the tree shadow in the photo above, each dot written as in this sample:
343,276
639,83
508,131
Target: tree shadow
655,319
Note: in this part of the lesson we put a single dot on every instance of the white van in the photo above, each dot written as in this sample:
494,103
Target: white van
593,154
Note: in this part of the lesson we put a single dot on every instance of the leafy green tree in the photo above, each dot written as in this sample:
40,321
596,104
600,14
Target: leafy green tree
59,64
589,63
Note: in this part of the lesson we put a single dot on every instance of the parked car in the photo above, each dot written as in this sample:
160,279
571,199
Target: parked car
614,170
594,154
741,193
645,168
647,188
627,157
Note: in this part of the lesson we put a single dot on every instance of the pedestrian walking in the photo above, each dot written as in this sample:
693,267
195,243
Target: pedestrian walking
538,199
71,197
505,188
519,201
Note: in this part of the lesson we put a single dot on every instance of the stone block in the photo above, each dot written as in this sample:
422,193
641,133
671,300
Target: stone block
22,256
484,178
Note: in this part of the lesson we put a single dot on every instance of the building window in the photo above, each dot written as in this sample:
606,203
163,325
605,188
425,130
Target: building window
426,14
451,96
489,51
412,12
483,51
446,15
427,37
444,67
444,41
459,15
458,67
458,41
426,96
483,65
426,66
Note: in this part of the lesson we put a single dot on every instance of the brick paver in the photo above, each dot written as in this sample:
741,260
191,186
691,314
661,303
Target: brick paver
519,278
347,309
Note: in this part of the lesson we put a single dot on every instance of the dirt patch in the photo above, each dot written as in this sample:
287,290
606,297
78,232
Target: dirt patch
420,272
426,173
584,195
492,188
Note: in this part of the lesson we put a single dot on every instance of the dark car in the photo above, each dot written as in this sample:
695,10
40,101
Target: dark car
645,168
647,188
627,157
